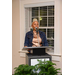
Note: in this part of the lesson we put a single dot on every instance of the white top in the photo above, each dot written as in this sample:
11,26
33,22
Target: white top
36,40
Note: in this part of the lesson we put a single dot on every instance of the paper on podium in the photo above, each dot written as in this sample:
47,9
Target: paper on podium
25,48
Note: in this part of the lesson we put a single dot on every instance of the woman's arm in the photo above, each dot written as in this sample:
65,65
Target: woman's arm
26,41
45,41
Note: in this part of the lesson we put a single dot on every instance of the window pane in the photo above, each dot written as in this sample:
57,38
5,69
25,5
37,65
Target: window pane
50,10
43,11
50,21
44,30
35,11
51,42
43,22
50,33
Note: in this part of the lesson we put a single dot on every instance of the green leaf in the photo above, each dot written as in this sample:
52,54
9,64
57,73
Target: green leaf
46,68
15,68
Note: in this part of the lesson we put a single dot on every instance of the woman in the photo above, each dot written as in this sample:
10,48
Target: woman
35,37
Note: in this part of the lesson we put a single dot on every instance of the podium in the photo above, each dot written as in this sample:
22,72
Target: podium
38,53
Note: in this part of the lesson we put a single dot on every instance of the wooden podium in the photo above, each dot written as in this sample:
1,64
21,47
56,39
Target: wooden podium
38,53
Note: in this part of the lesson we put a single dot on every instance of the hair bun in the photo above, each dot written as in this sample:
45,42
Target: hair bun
34,19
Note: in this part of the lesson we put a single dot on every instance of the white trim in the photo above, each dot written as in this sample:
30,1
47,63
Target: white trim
21,54
39,4
20,24
43,16
30,18
55,57
20,51
45,27
39,16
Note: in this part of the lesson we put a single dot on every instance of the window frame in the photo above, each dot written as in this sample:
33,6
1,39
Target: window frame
40,27
57,23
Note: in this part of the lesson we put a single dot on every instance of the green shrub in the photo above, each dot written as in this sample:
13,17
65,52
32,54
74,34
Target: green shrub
24,70
45,67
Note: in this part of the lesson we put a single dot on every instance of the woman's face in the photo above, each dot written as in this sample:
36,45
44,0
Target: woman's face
35,24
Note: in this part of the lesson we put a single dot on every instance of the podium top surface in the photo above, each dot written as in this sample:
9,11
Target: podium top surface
25,48
31,55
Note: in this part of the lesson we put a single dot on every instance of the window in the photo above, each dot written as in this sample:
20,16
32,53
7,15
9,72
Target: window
56,30
45,17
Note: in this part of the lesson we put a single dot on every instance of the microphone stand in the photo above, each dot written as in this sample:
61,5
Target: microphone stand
38,37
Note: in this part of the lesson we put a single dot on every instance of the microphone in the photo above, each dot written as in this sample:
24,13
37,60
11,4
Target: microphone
36,29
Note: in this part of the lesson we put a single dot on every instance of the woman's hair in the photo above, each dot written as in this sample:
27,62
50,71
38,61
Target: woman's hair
34,20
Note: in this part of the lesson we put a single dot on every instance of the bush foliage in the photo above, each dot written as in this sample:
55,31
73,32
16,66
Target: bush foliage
45,67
